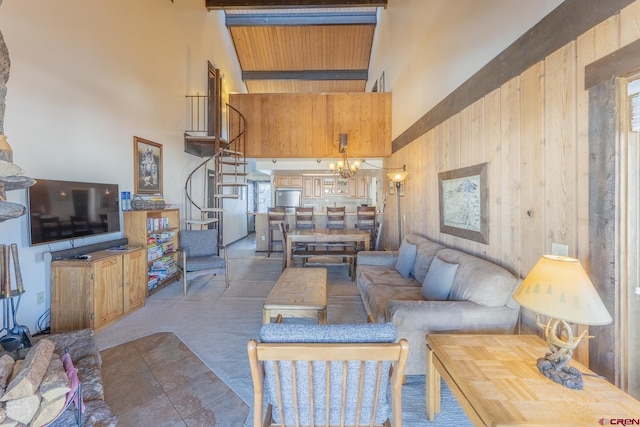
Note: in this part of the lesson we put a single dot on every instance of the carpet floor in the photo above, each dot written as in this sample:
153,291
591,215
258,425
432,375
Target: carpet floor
215,325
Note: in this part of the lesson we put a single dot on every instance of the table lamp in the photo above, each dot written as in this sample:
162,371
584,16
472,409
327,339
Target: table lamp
559,288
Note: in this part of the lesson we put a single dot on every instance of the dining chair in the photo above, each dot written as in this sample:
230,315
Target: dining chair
275,215
377,234
295,252
340,374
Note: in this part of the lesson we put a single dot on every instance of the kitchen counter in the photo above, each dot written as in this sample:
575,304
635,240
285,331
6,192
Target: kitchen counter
320,219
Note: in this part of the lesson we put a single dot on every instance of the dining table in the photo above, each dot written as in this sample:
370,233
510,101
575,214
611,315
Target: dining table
326,236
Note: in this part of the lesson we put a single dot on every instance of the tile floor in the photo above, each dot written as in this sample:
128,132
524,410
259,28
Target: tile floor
157,381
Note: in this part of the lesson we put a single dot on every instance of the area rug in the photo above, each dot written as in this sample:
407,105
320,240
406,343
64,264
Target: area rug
216,323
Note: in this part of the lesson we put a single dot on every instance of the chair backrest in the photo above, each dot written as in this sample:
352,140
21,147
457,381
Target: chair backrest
335,217
378,233
283,231
300,359
304,218
199,242
276,214
366,218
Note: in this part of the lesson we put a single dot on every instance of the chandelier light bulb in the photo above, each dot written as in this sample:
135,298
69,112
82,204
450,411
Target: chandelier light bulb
332,166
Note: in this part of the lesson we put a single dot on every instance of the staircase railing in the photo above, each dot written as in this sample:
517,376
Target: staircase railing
224,154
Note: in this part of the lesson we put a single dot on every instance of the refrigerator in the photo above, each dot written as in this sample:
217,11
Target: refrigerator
288,198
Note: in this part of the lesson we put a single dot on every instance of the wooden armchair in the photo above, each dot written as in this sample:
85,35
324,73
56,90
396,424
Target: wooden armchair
311,373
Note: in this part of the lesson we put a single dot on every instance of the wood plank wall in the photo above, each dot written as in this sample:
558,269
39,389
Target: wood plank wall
534,133
309,125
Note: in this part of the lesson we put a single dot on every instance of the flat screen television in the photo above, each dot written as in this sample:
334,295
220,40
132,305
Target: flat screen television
65,210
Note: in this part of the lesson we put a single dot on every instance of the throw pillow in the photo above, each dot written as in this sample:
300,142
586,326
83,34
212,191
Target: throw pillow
406,258
439,280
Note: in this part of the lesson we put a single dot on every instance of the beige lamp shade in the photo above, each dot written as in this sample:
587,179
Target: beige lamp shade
559,287
397,176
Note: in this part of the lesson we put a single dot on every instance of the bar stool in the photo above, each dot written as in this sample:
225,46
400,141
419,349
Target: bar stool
366,220
335,217
304,218
275,216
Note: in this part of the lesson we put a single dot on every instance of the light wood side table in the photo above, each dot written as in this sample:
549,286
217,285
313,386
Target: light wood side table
496,381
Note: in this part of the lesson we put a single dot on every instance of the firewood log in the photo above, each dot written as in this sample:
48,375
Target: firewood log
48,411
23,409
8,422
55,382
6,368
33,369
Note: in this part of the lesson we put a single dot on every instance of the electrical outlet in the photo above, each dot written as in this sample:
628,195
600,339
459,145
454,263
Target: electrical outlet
40,297
559,249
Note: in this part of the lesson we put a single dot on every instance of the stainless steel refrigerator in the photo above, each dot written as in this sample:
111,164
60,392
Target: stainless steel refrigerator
288,198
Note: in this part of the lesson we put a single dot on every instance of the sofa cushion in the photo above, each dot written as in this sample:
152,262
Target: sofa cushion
376,297
425,251
378,275
439,280
478,280
406,258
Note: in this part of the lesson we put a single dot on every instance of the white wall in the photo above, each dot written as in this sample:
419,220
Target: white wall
85,78
441,45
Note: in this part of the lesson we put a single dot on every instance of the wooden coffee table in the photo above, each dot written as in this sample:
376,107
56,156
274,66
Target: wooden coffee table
299,292
496,381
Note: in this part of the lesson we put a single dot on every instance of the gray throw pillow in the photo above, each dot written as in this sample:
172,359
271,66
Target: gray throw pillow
439,280
406,258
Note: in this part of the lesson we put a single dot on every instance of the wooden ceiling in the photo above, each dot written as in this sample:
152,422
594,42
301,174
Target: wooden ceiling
302,46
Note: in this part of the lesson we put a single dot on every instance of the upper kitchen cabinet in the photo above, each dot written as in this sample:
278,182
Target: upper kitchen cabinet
309,125
285,181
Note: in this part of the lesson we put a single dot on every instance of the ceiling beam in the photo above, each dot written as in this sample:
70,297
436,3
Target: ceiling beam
307,75
290,19
271,4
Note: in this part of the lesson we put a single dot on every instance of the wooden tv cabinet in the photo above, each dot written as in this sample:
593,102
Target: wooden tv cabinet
93,293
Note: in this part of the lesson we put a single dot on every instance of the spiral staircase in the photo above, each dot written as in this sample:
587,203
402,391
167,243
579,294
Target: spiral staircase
223,169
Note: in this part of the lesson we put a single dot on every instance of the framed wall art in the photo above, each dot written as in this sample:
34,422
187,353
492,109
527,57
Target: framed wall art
147,167
464,203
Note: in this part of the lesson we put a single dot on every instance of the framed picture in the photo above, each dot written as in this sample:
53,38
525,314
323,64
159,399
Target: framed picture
464,203
392,187
147,166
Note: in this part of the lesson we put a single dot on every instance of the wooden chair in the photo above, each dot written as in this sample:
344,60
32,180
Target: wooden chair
294,252
275,216
377,234
335,217
366,221
341,372
304,218
201,255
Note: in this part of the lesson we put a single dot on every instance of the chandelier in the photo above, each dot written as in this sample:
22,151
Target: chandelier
343,168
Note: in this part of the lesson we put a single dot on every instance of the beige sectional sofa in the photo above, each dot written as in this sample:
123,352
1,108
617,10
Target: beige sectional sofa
465,293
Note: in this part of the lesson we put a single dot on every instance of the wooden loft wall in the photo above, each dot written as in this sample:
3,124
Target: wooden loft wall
309,125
